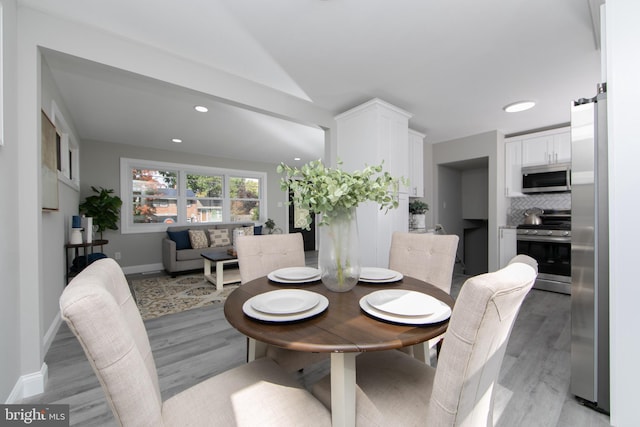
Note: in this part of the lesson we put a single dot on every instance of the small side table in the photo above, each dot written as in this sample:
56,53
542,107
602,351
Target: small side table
220,259
76,250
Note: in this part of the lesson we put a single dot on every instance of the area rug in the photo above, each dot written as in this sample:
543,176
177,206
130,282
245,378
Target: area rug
159,296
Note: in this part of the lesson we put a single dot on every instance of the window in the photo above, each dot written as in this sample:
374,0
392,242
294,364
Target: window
156,194
204,197
245,198
67,153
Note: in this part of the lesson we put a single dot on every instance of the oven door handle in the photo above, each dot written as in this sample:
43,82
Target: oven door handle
543,239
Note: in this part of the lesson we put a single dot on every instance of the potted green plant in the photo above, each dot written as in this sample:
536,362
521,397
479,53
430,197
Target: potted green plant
418,209
104,208
269,224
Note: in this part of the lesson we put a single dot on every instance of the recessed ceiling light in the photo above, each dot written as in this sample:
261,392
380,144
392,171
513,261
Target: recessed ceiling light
519,106
201,108
176,140
297,159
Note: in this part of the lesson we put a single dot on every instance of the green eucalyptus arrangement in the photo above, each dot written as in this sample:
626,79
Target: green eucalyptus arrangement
333,192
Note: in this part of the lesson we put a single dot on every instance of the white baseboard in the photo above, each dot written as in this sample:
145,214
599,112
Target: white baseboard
29,385
145,268
51,333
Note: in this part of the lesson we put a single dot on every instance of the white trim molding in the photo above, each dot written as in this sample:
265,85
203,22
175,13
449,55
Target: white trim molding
29,385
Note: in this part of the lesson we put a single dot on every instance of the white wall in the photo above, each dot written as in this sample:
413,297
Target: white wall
623,71
55,225
9,303
448,210
475,197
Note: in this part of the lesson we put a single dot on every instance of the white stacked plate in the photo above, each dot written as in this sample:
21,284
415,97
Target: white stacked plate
285,305
379,275
295,275
403,306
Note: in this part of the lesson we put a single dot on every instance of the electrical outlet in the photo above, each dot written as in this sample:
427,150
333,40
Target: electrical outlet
117,255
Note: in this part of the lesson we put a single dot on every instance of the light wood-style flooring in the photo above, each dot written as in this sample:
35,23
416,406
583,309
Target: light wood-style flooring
191,346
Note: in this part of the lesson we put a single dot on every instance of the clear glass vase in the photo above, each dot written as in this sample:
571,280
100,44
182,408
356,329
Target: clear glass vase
339,255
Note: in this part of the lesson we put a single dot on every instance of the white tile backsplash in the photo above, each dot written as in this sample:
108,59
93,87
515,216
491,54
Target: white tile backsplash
515,214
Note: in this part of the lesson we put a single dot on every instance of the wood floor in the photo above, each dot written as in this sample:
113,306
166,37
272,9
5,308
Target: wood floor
194,345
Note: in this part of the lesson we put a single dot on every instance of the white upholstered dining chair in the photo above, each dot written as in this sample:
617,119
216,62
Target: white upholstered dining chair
460,391
100,310
257,257
260,255
427,257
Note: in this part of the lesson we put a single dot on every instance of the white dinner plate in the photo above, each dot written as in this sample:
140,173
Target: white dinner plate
296,273
275,278
285,301
322,305
400,302
443,313
396,278
375,273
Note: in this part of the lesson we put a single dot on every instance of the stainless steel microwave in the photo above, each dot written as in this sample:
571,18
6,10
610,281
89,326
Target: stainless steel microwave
552,178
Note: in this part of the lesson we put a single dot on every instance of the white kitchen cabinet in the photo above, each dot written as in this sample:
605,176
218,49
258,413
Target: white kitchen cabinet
367,135
535,151
513,168
546,148
507,244
562,147
416,167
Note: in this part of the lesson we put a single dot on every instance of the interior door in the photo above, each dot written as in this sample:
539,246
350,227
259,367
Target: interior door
308,236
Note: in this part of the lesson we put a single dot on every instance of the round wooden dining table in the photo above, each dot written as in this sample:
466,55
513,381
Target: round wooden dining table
343,330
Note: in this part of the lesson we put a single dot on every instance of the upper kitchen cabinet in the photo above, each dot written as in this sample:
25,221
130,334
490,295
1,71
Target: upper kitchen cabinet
373,132
513,168
367,135
547,147
416,159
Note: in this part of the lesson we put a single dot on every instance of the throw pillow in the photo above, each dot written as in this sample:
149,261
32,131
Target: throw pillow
219,237
242,231
181,238
198,239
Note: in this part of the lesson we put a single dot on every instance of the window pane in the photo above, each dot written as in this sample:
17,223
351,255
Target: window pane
154,196
244,188
242,210
155,183
204,210
204,186
153,210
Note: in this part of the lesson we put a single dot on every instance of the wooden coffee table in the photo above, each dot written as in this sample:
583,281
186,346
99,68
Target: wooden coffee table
220,259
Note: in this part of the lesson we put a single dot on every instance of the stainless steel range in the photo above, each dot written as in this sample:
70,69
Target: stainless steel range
549,243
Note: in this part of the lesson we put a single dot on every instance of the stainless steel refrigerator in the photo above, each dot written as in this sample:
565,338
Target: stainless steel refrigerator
590,252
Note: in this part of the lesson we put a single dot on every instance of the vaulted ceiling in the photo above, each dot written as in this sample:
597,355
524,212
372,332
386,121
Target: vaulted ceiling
452,63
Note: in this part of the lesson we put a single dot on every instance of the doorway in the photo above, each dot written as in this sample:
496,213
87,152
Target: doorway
463,209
